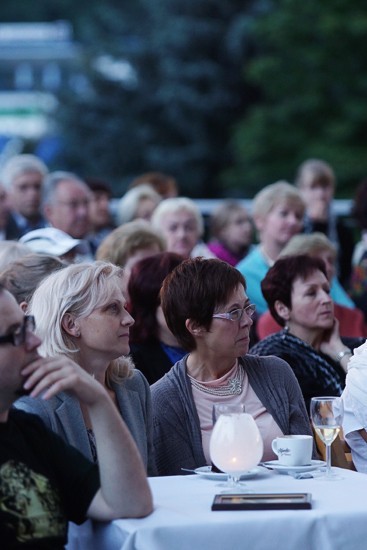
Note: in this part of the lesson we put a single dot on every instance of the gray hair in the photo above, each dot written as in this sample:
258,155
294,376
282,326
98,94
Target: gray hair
21,164
52,181
174,205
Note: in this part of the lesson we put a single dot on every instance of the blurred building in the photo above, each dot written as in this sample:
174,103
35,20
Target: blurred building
36,60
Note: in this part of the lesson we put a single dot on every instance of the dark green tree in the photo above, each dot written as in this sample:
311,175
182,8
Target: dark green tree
310,72
177,114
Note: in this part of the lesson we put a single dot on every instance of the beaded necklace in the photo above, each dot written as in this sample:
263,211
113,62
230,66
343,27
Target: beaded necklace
232,387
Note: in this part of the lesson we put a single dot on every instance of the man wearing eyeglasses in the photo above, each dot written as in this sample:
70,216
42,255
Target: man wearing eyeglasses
44,483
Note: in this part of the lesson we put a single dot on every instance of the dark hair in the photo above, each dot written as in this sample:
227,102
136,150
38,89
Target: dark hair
98,185
278,282
192,291
145,282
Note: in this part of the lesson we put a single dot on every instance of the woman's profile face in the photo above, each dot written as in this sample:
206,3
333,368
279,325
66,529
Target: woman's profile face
312,308
105,332
227,338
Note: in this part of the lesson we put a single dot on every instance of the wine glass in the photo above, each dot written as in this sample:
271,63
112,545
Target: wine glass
326,417
235,445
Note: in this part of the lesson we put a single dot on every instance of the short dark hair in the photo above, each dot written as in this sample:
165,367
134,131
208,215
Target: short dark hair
278,282
145,283
192,291
97,185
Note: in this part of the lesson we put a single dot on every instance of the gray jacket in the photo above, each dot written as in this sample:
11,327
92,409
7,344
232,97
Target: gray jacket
176,425
62,414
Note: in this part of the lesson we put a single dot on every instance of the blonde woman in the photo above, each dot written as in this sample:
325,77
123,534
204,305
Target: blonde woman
277,211
80,313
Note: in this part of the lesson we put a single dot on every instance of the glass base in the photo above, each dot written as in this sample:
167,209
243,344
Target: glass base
324,475
234,488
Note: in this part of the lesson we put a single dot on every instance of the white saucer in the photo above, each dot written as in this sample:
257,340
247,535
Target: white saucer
206,472
282,468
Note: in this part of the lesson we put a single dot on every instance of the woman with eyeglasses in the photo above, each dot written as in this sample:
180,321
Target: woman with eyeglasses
206,307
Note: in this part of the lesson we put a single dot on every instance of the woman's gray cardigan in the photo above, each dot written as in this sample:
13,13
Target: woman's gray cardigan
176,425
62,414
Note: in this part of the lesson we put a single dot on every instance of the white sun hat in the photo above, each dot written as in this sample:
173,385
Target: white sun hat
50,240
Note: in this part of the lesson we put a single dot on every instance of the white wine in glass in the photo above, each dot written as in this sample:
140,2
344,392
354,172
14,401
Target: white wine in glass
327,416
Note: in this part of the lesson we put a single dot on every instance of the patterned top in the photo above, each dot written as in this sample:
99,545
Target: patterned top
316,373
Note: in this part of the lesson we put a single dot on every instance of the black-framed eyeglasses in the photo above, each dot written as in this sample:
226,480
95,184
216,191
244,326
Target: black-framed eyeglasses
236,314
18,336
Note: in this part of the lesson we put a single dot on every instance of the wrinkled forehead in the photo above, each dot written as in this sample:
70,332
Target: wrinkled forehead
70,189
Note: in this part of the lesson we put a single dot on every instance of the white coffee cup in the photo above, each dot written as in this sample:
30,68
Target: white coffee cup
293,450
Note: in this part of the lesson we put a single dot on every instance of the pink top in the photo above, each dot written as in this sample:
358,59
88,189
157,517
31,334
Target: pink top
204,402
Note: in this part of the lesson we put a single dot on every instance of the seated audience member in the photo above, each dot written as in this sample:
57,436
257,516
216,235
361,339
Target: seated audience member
164,184
297,291
8,227
277,211
100,217
182,225
137,203
316,182
129,243
207,309
231,232
50,240
66,200
358,280
317,245
22,276
10,251
80,314
154,349
22,177
355,407
44,482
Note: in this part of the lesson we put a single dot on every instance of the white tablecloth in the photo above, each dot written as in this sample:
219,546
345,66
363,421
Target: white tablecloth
183,520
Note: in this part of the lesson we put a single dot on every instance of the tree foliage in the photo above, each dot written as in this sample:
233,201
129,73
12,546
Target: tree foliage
226,96
310,72
177,117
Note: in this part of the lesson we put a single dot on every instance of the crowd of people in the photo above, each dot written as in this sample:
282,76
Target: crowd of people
119,331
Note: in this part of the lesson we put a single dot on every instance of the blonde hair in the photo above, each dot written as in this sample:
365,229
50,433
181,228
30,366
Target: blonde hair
127,239
308,244
265,200
319,171
128,204
78,289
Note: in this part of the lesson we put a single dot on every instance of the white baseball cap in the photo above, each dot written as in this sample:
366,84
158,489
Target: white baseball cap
50,240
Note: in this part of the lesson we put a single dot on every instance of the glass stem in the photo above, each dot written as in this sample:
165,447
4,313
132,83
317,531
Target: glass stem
328,460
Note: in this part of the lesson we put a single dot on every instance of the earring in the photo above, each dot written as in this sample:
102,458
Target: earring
77,334
285,331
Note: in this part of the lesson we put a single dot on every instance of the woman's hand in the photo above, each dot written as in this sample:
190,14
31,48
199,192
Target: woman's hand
52,375
332,345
